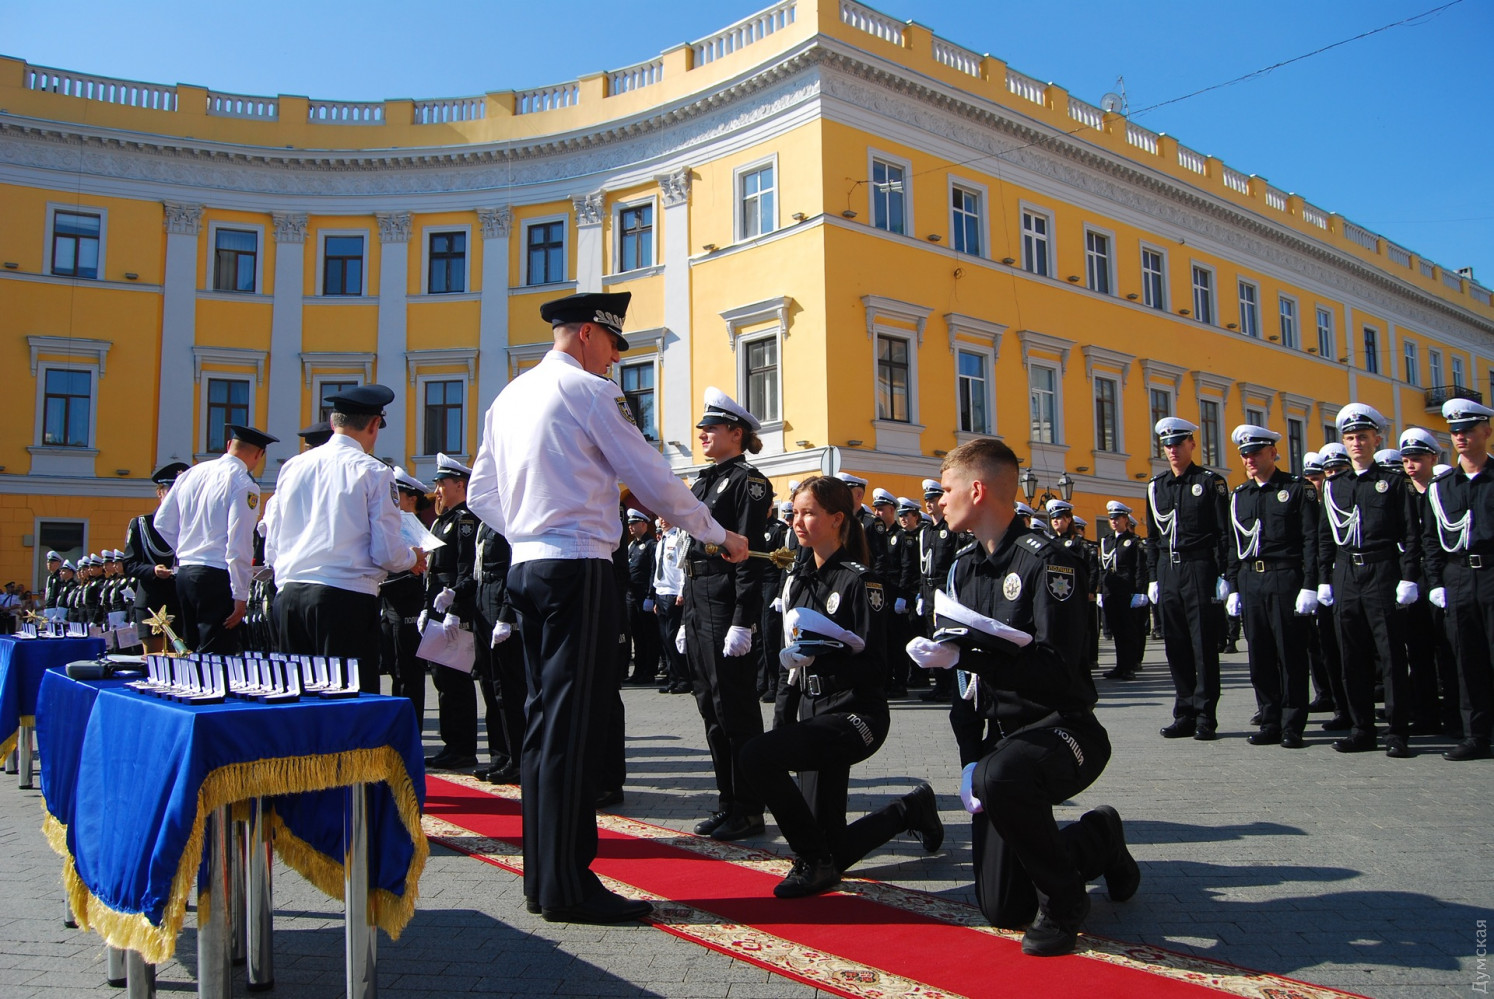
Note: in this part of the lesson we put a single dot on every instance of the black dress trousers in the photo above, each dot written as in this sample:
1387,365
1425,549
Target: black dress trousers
725,688
1190,635
206,601
317,620
1278,644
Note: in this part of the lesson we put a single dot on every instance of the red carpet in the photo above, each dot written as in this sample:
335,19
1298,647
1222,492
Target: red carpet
869,939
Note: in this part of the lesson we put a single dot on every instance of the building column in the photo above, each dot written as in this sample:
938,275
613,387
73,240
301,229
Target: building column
492,323
589,245
394,235
174,424
285,336
675,392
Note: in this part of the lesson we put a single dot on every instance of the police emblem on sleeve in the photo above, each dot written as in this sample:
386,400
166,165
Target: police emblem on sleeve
757,488
253,501
467,529
394,494
627,413
1198,490
1381,486
875,596
1011,586
1060,580
1220,487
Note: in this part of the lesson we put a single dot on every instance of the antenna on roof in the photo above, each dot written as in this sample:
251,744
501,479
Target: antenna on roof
1114,102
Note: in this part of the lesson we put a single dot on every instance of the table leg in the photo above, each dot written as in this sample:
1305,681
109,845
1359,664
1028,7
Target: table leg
68,919
238,833
12,762
214,970
114,967
261,972
361,941
25,757
141,975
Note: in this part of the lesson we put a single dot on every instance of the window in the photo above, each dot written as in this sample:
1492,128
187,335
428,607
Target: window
892,379
1203,295
446,263
1107,430
1097,261
544,252
324,407
1255,416
888,196
443,416
66,537
1035,242
1372,350
1044,392
1434,367
638,389
1212,431
1457,372
965,225
761,358
1287,310
972,391
1330,433
1161,408
235,259
635,238
75,244
1250,313
755,191
227,402
66,404
1326,347
1413,375
1153,284
342,265
1296,444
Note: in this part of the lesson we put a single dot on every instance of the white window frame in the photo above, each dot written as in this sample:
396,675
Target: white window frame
212,256
1369,358
1252,328
1321,312
653,360
565,249
426,232
1057,371
1171,392
1194,268
318,382
1026,209
93,372
1163,304
53,207
977,336
202,406
742,344
1120,433
321,263
617,234
984,219
738,230
910,340
872,156
469,386
1284,303
1089,257
1435,370
1410,362
1456,371
1295,454
988,361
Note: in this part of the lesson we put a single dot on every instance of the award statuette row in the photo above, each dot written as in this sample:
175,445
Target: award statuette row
273,678
37,626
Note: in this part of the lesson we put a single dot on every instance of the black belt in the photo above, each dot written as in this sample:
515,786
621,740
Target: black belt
494,576
1474,560
1205,555
1273,565
698,567
825,684
1371,557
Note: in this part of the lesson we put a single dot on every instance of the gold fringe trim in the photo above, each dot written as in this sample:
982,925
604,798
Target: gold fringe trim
238,782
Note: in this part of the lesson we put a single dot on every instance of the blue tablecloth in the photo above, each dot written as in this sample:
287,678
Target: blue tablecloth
22,663
128,780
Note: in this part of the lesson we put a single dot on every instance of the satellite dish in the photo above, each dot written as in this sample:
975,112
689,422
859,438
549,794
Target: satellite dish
1113,103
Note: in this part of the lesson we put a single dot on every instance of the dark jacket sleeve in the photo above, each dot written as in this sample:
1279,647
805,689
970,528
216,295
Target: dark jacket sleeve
138,565
1310,513
1410,540
751,516
1221,520
1231,547
1434,559
1153,540
1327,549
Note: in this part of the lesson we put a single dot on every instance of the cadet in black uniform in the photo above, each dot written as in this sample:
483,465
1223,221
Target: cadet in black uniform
1273,573
837,659
54,580
1047,745
770,633
500,662
936,552
1335,461
641,624
1186,514
1369,548
1123,591
901,586
1429,655
723,604
1460,567
451,589
871,524
401,599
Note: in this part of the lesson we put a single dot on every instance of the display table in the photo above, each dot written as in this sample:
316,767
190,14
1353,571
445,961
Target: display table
22,663
137,787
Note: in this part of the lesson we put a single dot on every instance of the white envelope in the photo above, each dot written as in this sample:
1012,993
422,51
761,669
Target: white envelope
456,649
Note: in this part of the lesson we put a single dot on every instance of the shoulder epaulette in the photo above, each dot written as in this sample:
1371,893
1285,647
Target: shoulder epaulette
1035,542
972,546
856,567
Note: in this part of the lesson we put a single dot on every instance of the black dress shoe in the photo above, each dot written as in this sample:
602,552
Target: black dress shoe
1338,723
739,827
1050,937
503,775
1469,749
1232,649
708,825
1182,728
603,907
450,761
1291,740
1358,742
808,877
1319,705
680,688
1265,737
1396,748
1205,733
609,798
1122,874
921,809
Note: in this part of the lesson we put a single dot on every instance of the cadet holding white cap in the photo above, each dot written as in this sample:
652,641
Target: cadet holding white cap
451,604
1429,653
1369,548
1459,536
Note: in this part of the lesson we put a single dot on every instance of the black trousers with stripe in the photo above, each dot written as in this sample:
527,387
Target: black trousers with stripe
569,612
1190,635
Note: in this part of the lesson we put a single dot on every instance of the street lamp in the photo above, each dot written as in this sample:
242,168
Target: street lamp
1066,487
1029,482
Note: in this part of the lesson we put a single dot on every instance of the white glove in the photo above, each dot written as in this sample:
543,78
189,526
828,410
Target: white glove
444,600
967,790
900,606
451,624
1138,600
1307,602
1325,595
1099,600
421,621
792,658
1232,605
919,609
648,605
1438,597
679,641
501,632
738,641
1221,588
1406,593
777,605
1152,591
128,593
932,655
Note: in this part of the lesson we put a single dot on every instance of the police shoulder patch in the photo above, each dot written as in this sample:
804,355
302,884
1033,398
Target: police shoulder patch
394,494
1220,486
468,528
757,488
1310,492
253,500
875,596
625,410
1060,581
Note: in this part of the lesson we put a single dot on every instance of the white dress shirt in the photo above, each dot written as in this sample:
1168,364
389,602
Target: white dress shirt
669,577
556,443
208,517
336,520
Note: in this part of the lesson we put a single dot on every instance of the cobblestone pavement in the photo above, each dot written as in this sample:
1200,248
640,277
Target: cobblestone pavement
1359,872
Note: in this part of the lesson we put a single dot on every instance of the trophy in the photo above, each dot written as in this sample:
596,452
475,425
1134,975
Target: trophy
160,624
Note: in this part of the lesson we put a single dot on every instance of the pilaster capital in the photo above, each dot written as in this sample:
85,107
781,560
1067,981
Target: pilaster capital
495,222
675,186
290,227
394,227
588,208
184,220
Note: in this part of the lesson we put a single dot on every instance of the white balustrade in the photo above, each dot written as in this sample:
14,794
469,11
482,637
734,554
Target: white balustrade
562,95
1141,138
446,109
1360,235
1398,254
1428,269
1086,114
1451,279
345,112
129,93
1480,293
1275,199
951,55
242,106
1190,160
1236,181
745,32
1026,87
644,74
1314,216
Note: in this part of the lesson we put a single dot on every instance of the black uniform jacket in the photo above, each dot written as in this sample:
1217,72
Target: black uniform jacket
641,553
739,498
1455,495
1388,520
937,546
1122,568
1034,584
144,550
452,564
1201,501
847,593
1286,507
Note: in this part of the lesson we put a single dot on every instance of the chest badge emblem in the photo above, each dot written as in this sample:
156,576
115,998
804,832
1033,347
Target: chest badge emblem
1011,586
1198,490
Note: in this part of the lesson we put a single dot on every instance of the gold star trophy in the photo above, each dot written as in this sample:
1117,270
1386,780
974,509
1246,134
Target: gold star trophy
160,624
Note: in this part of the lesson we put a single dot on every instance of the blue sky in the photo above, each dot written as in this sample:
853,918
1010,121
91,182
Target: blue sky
1391,131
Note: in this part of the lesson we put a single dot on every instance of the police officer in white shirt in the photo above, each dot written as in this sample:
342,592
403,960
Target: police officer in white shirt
208,517
335,536
556,444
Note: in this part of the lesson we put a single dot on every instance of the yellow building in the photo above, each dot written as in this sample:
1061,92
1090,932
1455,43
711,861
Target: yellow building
878,240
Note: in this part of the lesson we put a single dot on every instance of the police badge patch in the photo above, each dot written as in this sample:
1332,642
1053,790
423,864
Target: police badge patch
1011,586
1060,580
253,501
622,407
394,495
832,604
1220,487
1198,490
1283,496
1381,486
875,596
722,488
757,488
467,529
